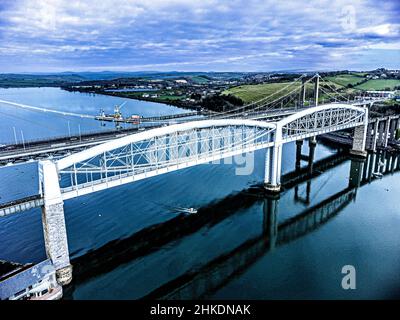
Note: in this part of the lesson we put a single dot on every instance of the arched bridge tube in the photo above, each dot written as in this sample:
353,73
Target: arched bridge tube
322,119
157,151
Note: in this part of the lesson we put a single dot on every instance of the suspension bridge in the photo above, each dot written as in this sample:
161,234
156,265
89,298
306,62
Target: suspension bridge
86,166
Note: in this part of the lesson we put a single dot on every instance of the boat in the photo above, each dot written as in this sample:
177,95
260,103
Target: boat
184,210
191,210
179,209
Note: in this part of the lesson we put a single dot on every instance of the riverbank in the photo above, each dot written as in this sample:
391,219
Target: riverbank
172,102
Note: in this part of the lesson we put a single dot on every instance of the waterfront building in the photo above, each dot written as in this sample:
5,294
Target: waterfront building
30,282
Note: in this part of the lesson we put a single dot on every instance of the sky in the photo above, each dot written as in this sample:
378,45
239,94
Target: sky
206,35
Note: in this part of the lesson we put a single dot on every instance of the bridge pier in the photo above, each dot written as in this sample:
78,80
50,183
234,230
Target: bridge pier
54,229
386,134
375,135
312,143
360,138
397,125
299,145
273,160
394,125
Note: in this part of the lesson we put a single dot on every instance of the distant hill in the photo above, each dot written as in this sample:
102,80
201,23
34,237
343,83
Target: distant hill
32,80
9,80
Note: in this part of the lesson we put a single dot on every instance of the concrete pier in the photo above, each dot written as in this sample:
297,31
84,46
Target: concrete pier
386,133
273,160
375,135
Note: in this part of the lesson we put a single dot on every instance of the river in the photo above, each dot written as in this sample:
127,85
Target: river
227,250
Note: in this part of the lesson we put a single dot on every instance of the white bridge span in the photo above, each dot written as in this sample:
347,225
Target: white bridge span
157,151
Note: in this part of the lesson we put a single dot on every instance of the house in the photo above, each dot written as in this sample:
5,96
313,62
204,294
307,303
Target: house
383,94
181,81
30,282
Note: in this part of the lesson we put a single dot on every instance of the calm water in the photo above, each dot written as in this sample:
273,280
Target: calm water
31,124
227,250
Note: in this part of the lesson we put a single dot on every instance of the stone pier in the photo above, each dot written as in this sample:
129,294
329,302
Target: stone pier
360,138
55,232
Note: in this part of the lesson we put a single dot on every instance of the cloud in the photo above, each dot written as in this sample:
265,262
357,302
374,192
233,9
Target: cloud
252,35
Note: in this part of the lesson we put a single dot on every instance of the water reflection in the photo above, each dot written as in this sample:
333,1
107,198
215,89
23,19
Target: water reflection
202,281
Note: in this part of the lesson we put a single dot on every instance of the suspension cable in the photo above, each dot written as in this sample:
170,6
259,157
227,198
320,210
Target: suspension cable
262,99
276,100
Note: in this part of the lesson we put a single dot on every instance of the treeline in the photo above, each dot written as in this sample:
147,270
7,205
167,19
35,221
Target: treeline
221,102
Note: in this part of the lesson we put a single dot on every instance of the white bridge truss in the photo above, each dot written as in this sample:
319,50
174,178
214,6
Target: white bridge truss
320,120
161,150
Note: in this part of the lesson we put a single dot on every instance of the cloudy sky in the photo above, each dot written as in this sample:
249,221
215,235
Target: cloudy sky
206,35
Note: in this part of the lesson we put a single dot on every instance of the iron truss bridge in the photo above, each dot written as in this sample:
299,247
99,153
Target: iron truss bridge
166,149
58,147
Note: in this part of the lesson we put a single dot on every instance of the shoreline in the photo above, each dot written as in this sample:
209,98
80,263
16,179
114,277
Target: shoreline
117,94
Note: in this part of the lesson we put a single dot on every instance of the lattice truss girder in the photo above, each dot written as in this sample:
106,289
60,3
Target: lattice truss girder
322,120
166,151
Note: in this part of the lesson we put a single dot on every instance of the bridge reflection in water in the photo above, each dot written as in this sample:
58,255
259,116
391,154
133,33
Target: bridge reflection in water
206,279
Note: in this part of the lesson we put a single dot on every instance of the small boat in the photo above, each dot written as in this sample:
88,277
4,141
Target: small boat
185,210
192,210
179,209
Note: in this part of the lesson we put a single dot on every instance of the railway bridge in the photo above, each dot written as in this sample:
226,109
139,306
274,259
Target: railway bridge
144,154
157,151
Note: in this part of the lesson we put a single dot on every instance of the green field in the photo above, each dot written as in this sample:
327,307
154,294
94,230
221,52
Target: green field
345,79
199,79
379,84
250,93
